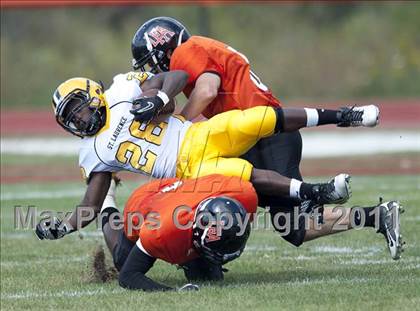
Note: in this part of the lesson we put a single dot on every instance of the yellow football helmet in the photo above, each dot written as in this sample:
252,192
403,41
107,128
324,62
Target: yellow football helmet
71,97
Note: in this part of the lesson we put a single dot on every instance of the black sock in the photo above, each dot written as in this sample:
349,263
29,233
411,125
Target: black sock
326,116
279,120
305,192
106,214
369,220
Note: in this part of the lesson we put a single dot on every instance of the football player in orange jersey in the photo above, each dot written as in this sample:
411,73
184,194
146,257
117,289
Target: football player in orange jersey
178,220
220,79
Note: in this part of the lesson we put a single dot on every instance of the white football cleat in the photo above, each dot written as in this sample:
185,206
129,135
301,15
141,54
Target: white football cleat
336,191
389,226
367,116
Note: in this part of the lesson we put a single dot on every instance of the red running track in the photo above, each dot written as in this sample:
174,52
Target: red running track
394,114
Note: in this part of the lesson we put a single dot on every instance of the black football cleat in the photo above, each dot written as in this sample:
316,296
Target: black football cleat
336,191
389,226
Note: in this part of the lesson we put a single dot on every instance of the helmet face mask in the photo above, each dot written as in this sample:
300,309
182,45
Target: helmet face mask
77,125
152,42
153,61
216,229
82,110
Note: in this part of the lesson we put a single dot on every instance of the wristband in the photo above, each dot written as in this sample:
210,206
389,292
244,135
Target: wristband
163,97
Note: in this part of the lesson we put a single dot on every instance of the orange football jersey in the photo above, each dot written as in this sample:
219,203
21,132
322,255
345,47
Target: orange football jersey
161,213
240,88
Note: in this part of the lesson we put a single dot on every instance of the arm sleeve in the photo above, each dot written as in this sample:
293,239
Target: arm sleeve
132,274
195,61
89,162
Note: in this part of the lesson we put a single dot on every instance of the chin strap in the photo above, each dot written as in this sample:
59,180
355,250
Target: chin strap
217,258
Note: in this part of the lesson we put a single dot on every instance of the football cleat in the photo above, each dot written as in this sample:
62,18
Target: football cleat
336,191
389,226
359,116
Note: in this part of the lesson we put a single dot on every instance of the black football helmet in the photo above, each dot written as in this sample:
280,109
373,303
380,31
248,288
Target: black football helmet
216,229
153,40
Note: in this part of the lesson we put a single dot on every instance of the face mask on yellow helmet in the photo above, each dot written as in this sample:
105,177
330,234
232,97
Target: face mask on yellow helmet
74,96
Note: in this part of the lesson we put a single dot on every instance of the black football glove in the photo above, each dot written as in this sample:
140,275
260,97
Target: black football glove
145,109
189,287
51,230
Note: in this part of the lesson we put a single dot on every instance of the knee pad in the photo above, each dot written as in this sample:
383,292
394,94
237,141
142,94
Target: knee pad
284,224
106,214
279,120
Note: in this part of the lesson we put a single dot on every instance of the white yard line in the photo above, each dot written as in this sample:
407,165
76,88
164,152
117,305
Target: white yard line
316,144
60,294
365,142
59,194
47,194
62,260
331,249
329,281
385,261
101,291
261,248
31,235
63,146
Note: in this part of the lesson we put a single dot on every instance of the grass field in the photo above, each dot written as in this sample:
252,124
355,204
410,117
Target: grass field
342,272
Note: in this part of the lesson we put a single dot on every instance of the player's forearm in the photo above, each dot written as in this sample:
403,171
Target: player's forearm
198,101
83,216
132,274
270,182
205,91
138,281
174,82
91,204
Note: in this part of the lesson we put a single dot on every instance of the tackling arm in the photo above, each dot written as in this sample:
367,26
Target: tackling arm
171,83
132,274
205,90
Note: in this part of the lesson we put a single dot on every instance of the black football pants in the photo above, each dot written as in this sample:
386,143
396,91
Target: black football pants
282,153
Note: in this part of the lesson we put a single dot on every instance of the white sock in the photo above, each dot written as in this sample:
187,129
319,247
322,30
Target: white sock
110,197
295,188
312,117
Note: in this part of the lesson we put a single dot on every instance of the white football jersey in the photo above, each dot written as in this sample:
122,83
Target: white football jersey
126,144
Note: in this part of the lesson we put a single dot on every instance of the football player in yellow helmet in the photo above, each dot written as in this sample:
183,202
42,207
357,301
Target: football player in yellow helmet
80,104
77,97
